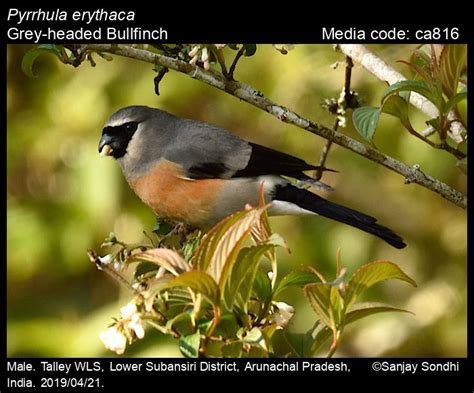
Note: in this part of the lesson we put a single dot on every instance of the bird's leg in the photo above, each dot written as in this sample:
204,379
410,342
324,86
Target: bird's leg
179,229
183,230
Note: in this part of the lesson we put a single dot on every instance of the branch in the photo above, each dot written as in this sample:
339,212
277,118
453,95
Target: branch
347,98
254,97
234,63
376,66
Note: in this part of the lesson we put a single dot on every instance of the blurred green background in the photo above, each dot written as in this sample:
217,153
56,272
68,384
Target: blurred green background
63,199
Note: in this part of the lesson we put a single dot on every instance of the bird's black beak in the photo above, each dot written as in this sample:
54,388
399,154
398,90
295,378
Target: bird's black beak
105,146
115,139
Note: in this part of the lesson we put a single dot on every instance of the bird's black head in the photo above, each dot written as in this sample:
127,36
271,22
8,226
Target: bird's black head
115,139
120,128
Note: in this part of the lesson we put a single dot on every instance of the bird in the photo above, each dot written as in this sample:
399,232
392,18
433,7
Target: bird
196,173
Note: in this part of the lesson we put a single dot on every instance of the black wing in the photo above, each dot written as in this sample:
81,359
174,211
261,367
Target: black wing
209,170
262,161
266,161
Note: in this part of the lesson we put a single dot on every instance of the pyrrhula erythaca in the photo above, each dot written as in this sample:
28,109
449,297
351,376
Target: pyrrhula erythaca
196,173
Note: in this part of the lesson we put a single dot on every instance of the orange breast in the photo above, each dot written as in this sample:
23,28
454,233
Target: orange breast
165,190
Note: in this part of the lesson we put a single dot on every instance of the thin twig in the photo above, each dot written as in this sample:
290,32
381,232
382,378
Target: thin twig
256,98
442,146
324,154
334,344
344,104
230,75
220,59
347,81
110,271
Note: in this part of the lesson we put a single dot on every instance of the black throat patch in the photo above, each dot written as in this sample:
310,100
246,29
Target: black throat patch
118,138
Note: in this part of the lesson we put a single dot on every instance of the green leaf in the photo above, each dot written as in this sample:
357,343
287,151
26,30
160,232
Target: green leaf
244,271
358,311
261,232
228,326
370,274
213,349
296,278
162,227
262,287
145,268
205,325
396,106
199,282
54,49
327,303
324,333
423,71
189,345
250,49
365,121
454,100
232,350
452,61
191,246
300,343
245,290
319,296
427,73
233,46
422,60
169,259
420,87
365,309
229,245
155,286
276,240
462,147
30,57
257,338
183,318
405,95
210,241
305,345
434,123
269,331
462,165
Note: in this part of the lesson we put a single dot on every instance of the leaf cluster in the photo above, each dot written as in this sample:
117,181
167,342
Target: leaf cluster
226,299
440,79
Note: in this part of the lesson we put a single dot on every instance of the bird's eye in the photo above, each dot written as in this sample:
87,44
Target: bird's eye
131,127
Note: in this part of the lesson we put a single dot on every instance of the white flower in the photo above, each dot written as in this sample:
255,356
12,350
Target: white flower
342,121
204,55
283,48
106,259
128,311
136,324
114,340
132,320
129,325
194,54
118,266
199,52
284,314
194,51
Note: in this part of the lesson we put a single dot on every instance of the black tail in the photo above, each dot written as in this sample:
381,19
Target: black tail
309,201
